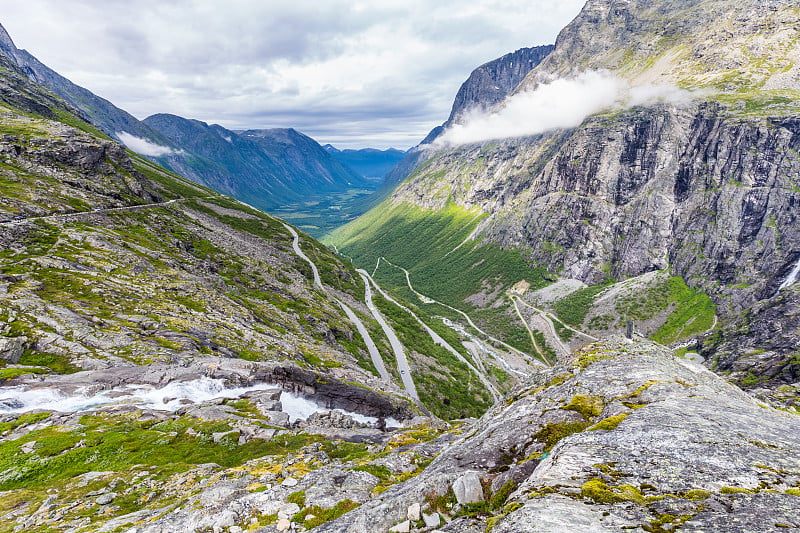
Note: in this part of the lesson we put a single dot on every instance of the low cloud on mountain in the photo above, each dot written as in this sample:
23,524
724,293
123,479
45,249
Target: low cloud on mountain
142,146
562,103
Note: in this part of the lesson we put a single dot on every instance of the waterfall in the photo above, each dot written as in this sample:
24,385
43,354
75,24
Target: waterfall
792,277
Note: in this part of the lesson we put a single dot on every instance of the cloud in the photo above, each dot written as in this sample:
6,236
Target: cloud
263,63
562,103
143,146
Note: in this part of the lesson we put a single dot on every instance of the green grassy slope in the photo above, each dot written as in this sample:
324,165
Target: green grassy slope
442,262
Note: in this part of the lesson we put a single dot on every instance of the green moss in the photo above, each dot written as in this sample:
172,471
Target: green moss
381,472
737,490
60,364
441,503
588,406
23,420
11,373
593,353
635,394
696,494
793,492
117,442
550,434
323,515
597,490
607,424
499,498
298,497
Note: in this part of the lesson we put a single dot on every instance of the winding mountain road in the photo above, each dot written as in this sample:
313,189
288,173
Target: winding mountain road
439,340
397,346
547,318
528,328
374,354
428,299
92,212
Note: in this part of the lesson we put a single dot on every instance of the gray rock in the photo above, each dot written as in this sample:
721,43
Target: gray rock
11,349
413,512
230,435
691,432
431,520
402,527
107,498
468,488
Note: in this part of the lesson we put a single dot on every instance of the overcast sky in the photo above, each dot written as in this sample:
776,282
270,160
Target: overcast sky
352,73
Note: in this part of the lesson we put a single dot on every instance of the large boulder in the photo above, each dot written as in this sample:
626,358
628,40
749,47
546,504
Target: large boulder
12,348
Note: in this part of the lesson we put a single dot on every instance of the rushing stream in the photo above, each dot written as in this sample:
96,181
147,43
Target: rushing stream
20,399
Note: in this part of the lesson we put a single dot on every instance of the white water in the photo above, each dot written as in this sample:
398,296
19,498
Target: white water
793,276
20,399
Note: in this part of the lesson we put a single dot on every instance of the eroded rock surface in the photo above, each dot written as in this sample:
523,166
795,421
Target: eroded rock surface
625,437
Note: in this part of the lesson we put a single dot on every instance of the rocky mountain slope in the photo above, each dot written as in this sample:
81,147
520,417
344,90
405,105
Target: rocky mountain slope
703,187
103,114
622,437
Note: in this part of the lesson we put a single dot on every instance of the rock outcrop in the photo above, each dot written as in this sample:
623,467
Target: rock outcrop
625,437
492,82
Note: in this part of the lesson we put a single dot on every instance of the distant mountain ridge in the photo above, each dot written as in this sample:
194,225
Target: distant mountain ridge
239,163
369,162
99,111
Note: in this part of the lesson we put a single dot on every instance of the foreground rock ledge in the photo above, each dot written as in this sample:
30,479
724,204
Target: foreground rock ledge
625,438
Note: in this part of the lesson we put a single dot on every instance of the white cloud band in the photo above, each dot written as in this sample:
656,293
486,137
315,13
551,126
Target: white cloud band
143,146
563,103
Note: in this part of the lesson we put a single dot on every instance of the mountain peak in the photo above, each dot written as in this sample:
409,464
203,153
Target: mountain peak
7,46
727,46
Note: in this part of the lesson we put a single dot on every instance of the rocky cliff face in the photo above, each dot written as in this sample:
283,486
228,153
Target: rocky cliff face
490,83
725,45
486,87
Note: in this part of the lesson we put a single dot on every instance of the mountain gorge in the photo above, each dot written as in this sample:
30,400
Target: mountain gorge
703,188
172,359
